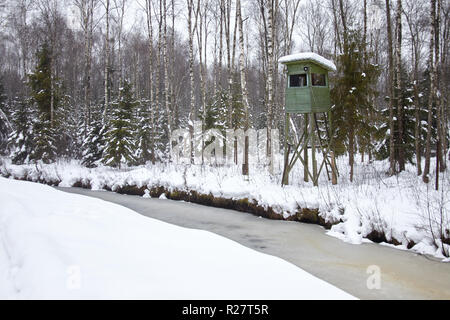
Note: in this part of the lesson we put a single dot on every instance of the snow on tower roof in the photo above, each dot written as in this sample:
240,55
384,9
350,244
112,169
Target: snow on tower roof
303,56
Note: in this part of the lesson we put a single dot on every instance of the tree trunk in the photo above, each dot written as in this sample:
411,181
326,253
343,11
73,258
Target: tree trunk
398,88
351,151
121,12
158,59
228,41
192,117
392,169
148,10
432,94
106,63
245,166
438,79
270,93
415,62
417,115
221,23
166,79
336,28
85,7
445,96
365,29
173,97
204,64
200,16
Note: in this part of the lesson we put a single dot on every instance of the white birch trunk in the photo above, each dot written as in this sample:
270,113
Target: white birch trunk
106,63
245,167
148,11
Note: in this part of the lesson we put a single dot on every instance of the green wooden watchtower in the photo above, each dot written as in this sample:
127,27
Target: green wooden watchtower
308,93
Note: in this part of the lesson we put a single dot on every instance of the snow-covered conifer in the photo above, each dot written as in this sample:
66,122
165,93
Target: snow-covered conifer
120,138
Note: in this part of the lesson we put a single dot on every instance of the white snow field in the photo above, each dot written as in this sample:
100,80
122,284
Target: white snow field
401,207
56,245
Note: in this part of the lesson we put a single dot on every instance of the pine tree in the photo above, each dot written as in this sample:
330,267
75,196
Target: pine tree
20,141
120,138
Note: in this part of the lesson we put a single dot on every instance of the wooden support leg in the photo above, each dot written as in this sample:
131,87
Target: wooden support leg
313,149
286,152
305,151
333,169
287,168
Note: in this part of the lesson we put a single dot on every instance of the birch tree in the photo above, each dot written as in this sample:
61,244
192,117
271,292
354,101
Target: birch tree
270,80
227,17
245,166
107,63
413,14
445,92
390,83
19,22
398,87
439,94
173,81
192,25
432,93
148,13
120,9
86,10
166,77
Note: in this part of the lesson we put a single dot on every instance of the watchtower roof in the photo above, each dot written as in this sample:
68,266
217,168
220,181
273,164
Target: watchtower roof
308,56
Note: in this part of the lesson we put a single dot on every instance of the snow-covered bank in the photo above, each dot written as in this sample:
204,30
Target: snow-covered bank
59,245
399,209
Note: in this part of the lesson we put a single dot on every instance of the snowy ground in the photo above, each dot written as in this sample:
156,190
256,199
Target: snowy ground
59,245
401,207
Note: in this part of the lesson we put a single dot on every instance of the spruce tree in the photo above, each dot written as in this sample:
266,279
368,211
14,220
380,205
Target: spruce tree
408,140
44,144
424,96
42,94
144,133
161,135
5,126
215,115
120,138
94,144
351,99
69,129
20,141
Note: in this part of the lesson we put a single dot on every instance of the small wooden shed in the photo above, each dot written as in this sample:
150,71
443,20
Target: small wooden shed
307,89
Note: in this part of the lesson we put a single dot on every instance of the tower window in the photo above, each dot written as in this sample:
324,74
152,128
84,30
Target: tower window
297,80
318,79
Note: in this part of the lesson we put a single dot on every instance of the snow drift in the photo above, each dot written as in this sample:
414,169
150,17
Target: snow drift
65,246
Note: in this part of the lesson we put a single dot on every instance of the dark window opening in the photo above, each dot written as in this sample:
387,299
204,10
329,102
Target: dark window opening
297,80
318,79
